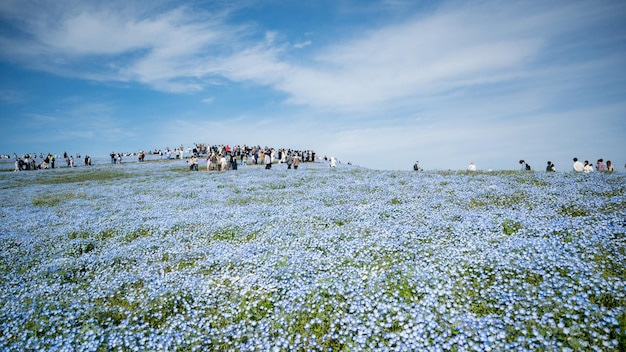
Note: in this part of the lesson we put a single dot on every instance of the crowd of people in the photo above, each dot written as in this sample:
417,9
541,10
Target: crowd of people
588,167
578,166
224,157
217,157
29,161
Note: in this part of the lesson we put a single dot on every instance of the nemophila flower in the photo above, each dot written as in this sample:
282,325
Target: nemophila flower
366,260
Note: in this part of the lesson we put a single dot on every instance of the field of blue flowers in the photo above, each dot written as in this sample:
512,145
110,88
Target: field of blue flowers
151,256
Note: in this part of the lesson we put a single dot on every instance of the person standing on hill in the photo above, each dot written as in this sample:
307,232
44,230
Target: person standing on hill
267,159
609,166
296,161
578,166
193,163
233,162
471,167
525,166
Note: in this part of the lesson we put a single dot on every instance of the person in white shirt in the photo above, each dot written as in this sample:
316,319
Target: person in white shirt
267,160
578,166
587,167
471,167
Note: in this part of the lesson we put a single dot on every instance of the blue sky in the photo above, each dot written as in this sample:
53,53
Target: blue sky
380,84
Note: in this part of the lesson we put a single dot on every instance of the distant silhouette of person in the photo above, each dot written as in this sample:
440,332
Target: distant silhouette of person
471,167
600,165
193,163
578,166
609,166
525,166
550,167
296,161
267,159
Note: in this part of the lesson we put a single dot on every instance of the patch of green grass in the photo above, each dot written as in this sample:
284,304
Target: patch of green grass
323,304
573,210
509,227
482,306
243,200
530,178
498,200
53,199
100,236
608,300
84,175
167,305
233,234
116,307
474,286
608,263
141,232
255,306
399,285
79,247
612,207
277,186
340,222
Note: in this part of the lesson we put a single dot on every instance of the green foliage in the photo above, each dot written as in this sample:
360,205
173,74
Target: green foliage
509,227
232,234
399,285
607,300
115,307
79,247
161,308
225,234
483,306
498,200
53,199
83,175
255,306
277,186
573,210
141,232
340,222
100,236
608,263
322,305
475,286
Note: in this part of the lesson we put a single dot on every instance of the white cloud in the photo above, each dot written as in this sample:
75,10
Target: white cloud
420,56
12,96
174,50
118,43
302,44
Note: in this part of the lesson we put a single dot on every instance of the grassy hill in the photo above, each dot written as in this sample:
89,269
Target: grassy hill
154,257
